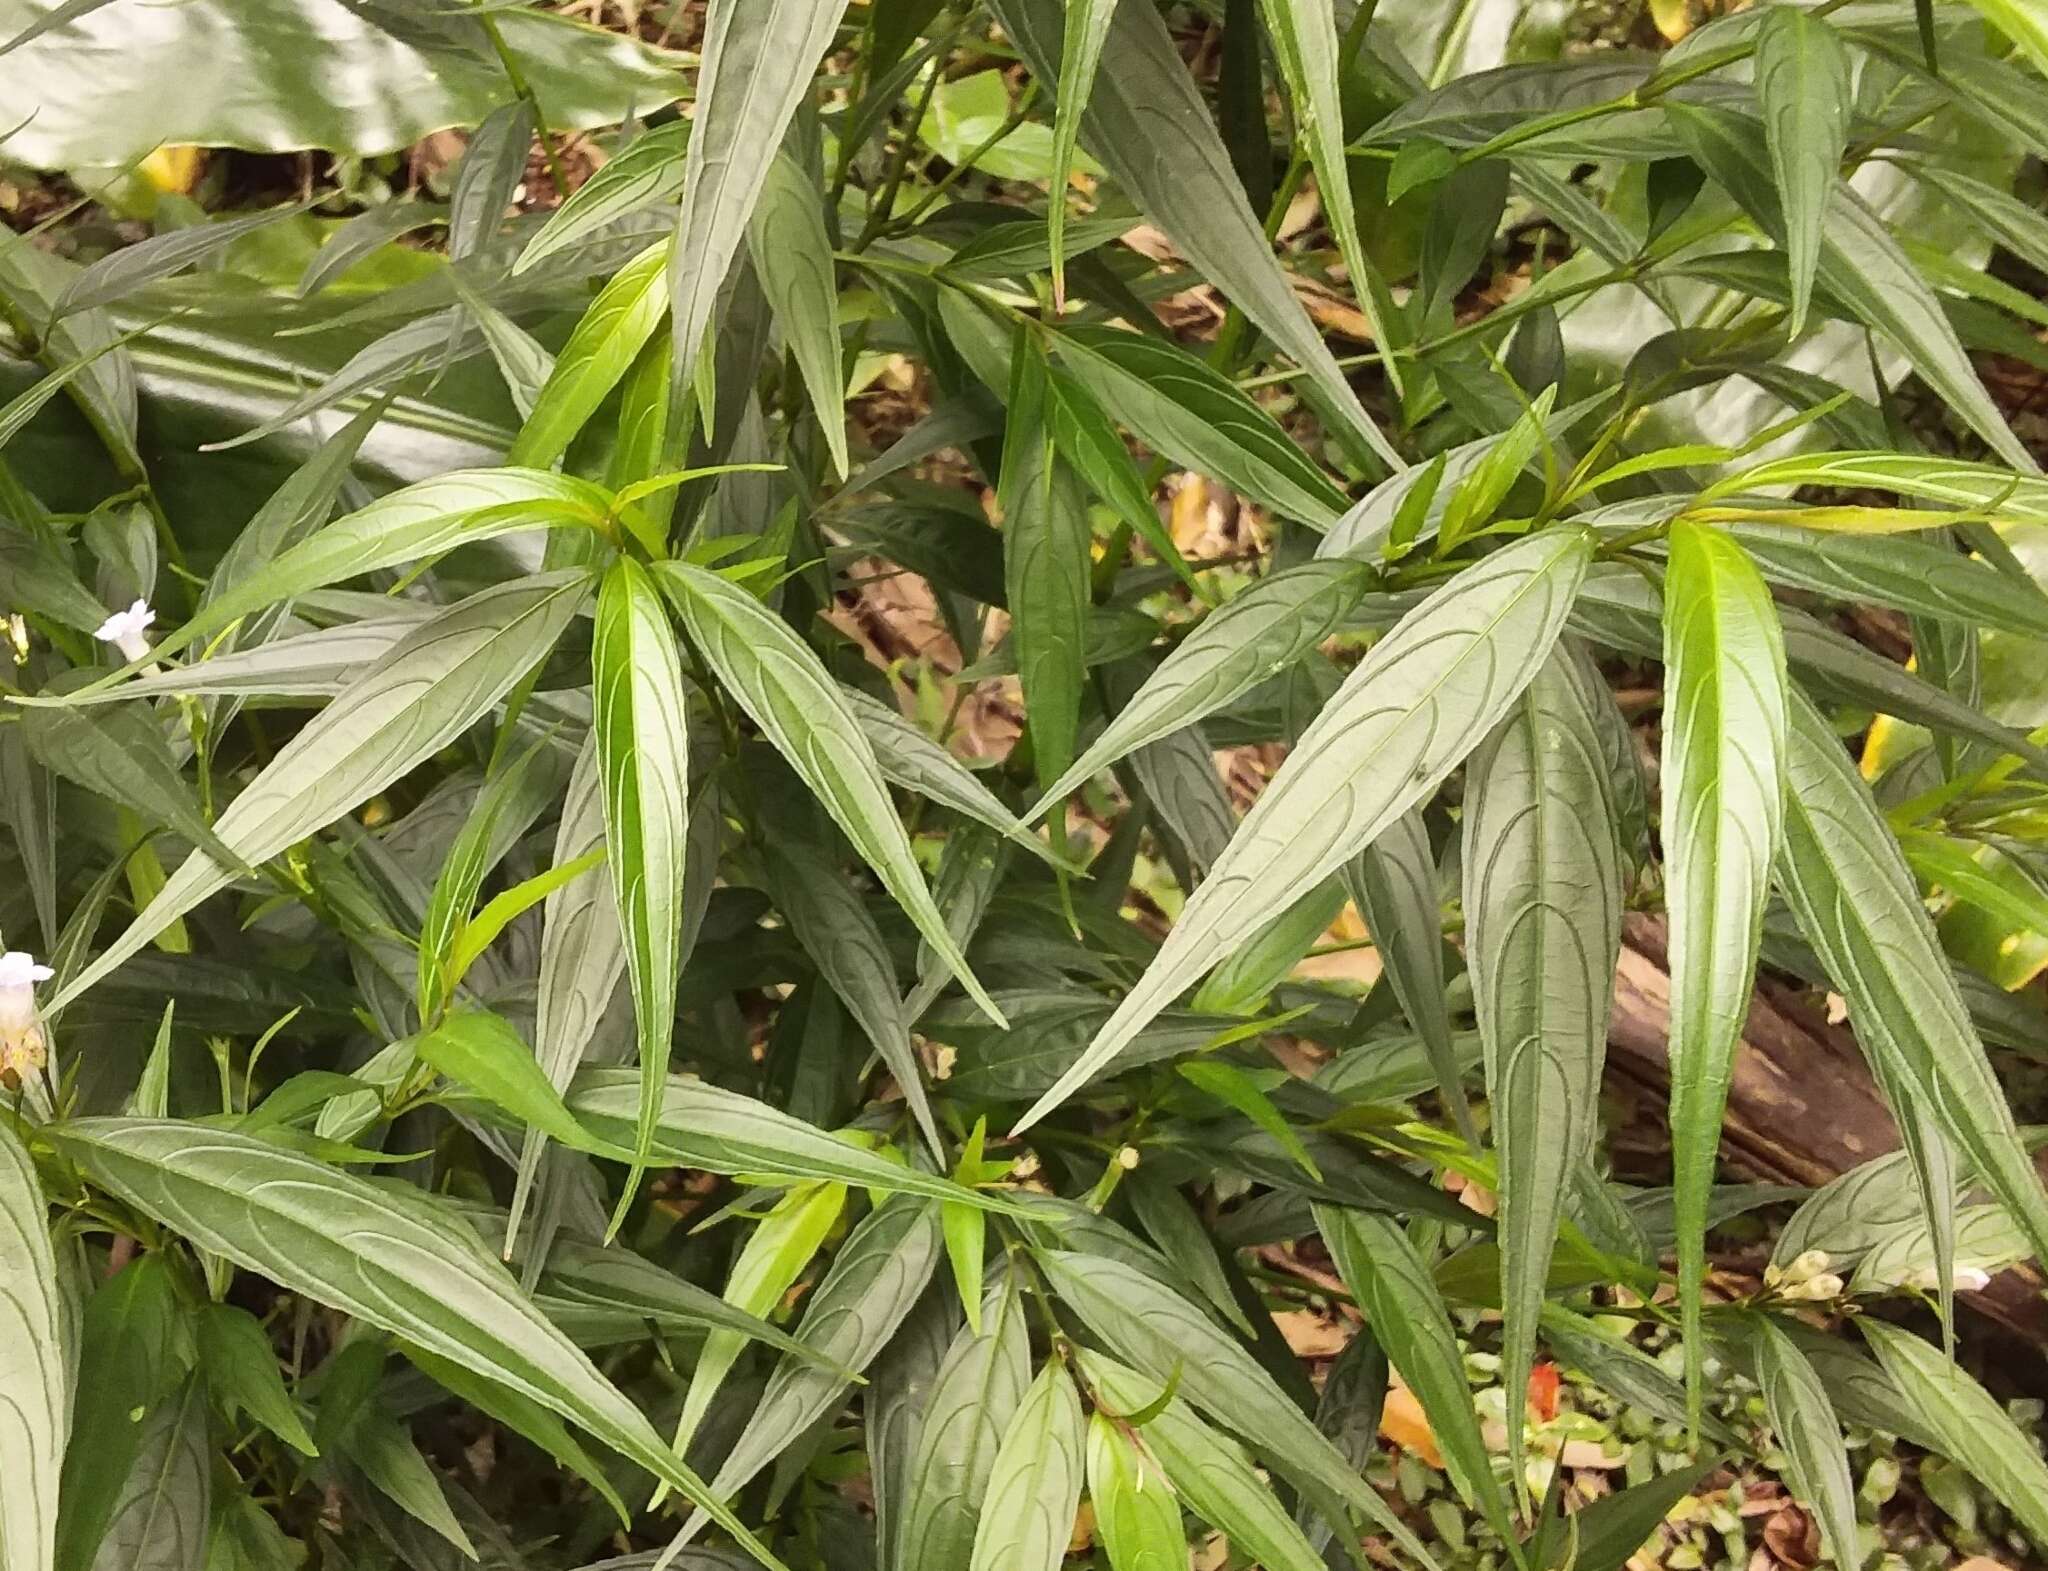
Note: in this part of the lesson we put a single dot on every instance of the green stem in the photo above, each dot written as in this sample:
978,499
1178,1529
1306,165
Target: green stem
524,91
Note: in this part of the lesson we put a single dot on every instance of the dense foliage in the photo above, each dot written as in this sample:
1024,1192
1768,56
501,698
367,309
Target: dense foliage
623,927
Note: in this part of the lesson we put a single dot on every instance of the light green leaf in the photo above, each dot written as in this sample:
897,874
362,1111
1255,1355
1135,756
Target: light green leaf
793,259
1392,1285
758,61
1247,979
976,1394
1169,1340
784,687
1955,482
1969,1424
1811,1436
1236,1089
1046,561
1211,1474
433,685
364,235
1802,85
639,712
1137,1516
1096,449
2023,24
1393,882
485,1054
1180,406
1147,121
1035,1485
32,1381
700,1125
1401,722
1542,934
774,1256
607,337
384,1254
1723,781
1254,636
646,172
1855,900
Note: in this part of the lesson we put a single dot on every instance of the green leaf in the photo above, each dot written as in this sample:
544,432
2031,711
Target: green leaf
1811,1436
488,177
757,67
1235,1089
124,1336
121,272
364,235
1855,900
1035,1485
784,687
484,1053
1169,1340
1085,32
1392,1285
1860,264
640,715
1403,719
1211,1475
1247,979
1046,562
1136,1514
32,1378
1802,85
1097,451
1258,633
1147,121
2021,23
160,1515
645,173
386,1255
383,1449
781,1245
793,258
826,914
1723,780
1901,571
700,1125
241,1369
433,685
1542,934
879,1274
1182,407
892,1409
1611,1529
121,753
607,337
1970,1425
1954,482
1186,1242
977,1392
1393,882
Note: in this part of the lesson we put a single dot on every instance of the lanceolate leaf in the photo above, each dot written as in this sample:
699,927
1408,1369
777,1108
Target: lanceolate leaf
977,1392
582,955
1137,1514
1723,782
1802,81
758,60
1406,1315
1028,1514
1264,630
1393,882
784,687
1046,560
387,1257
1401,722
1147,121
160,1517
122,753
645,173
640,717
1901,571
1811,1435
1967,1421
436,682
1857,904
1167,1338
1542,931
607,337
793,258
32,1385
1086,30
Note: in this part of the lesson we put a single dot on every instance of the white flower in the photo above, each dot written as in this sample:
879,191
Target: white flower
124,630
21,1039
